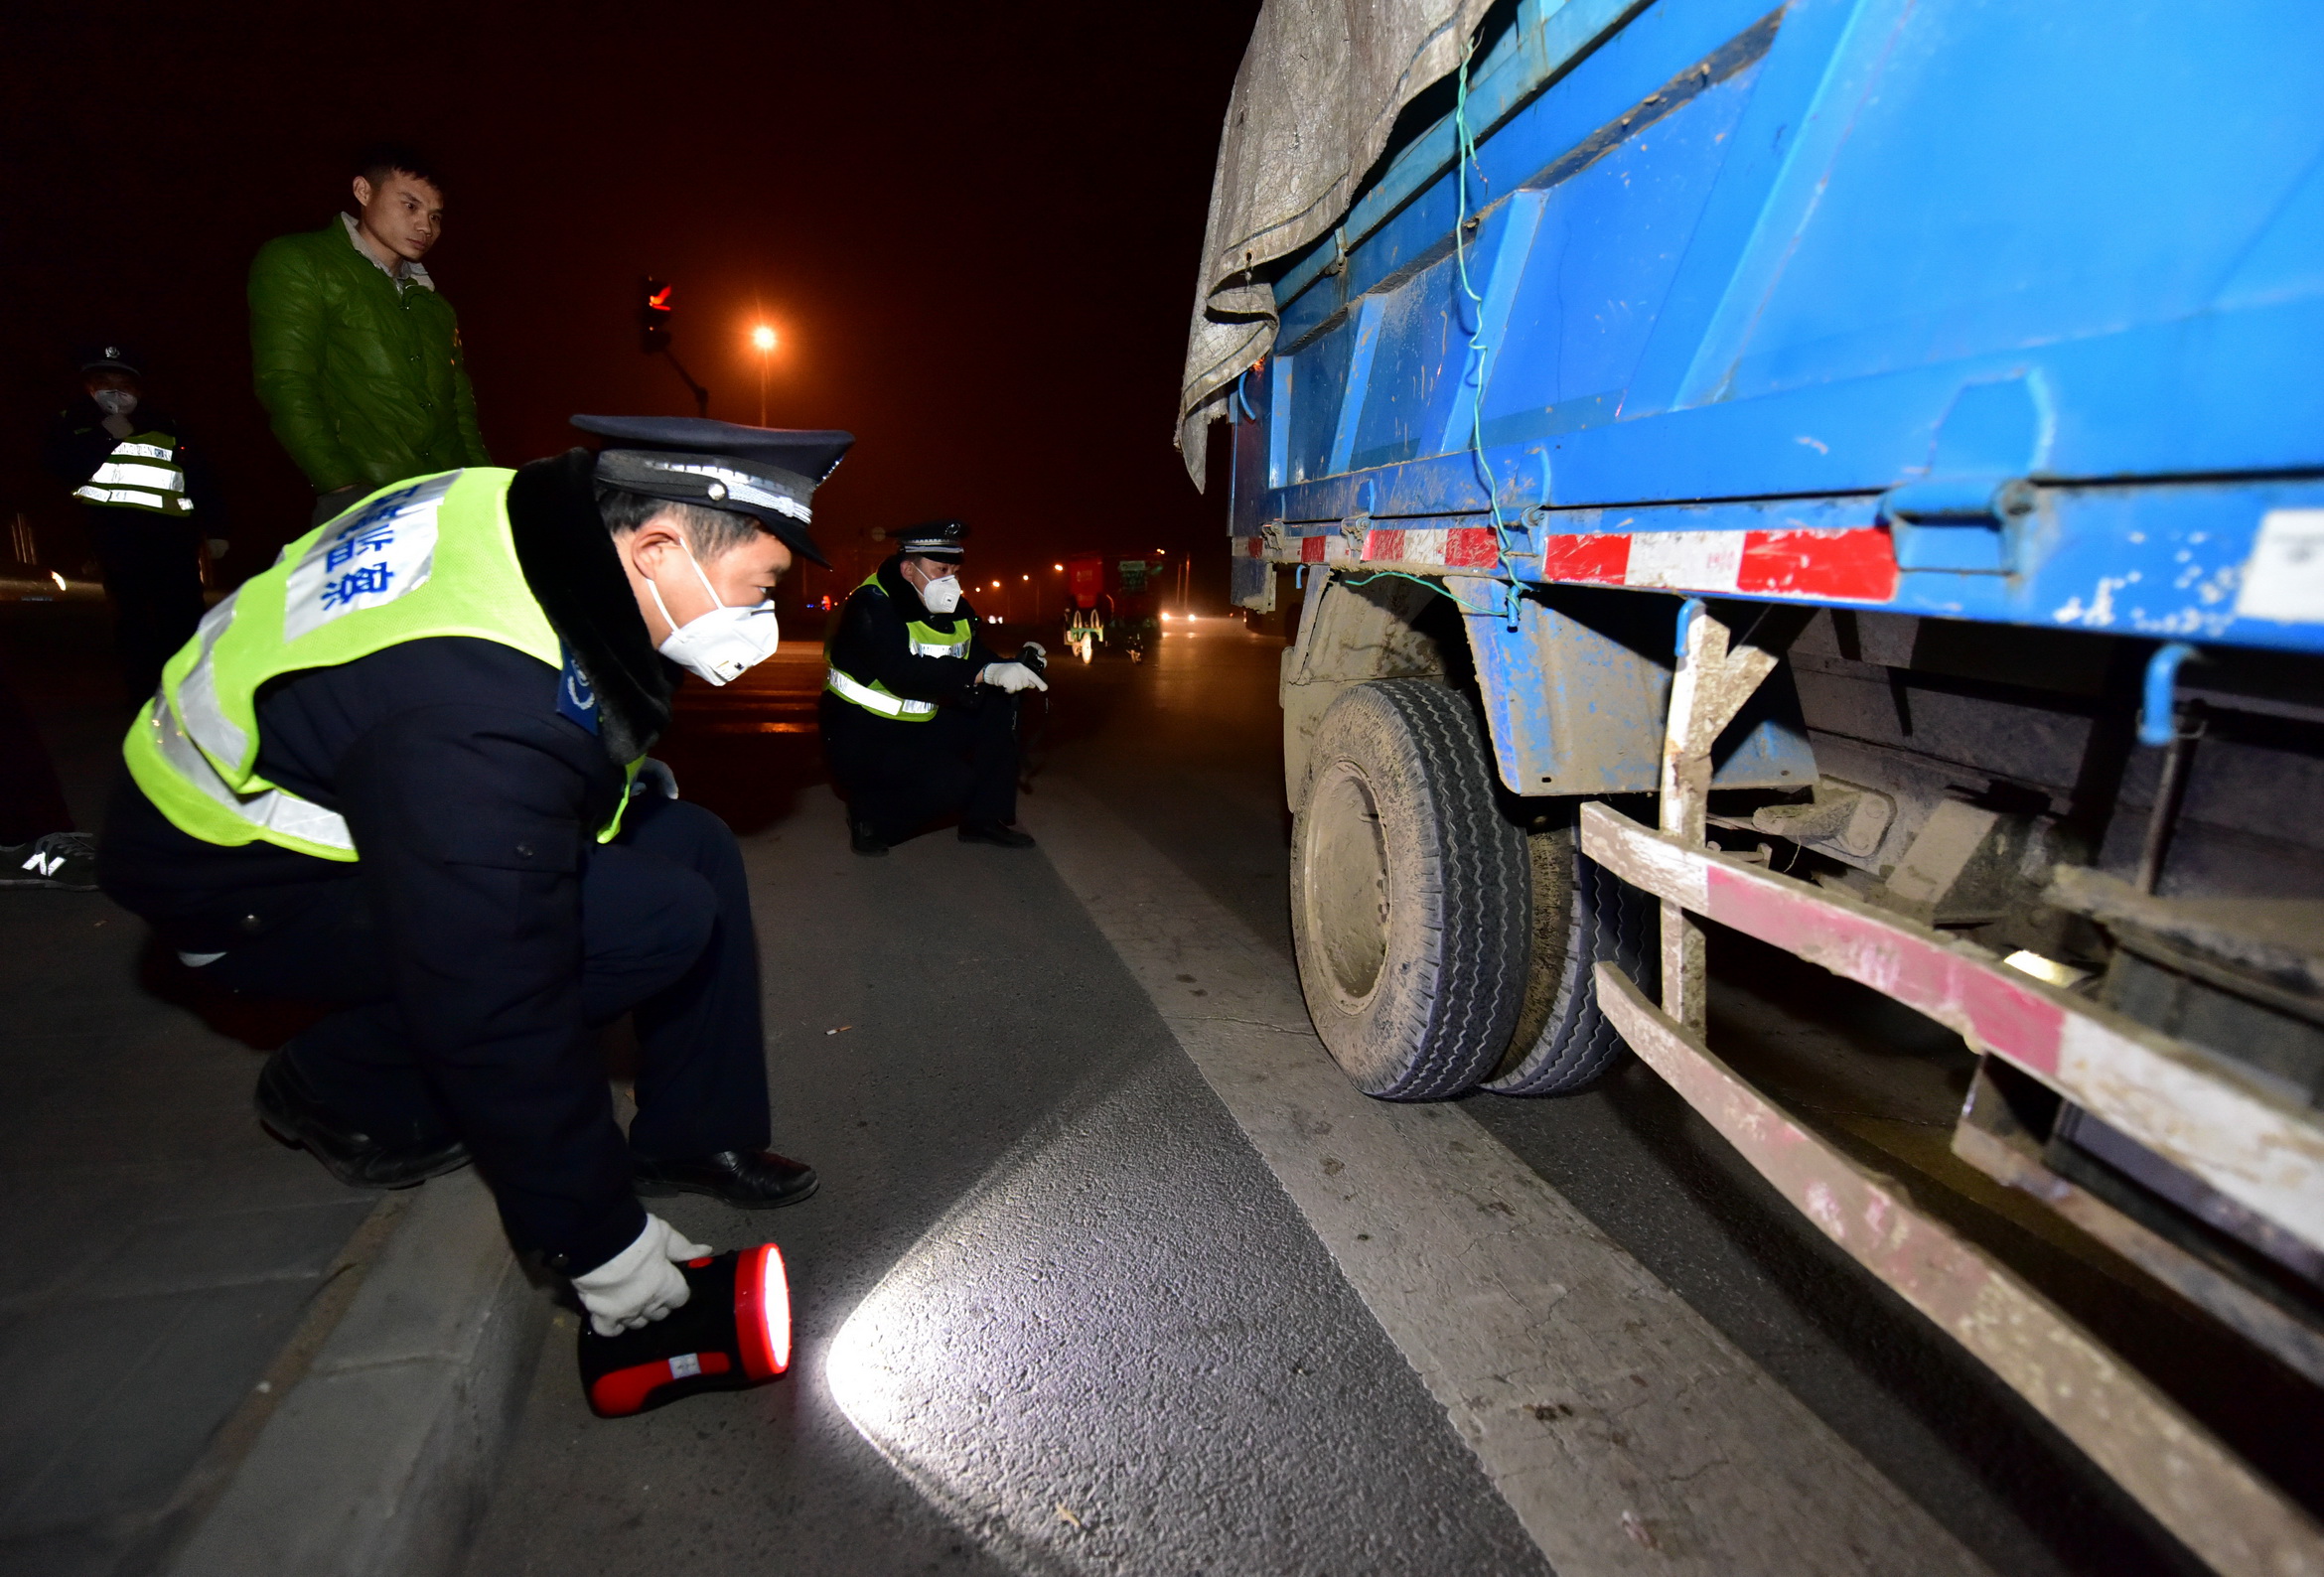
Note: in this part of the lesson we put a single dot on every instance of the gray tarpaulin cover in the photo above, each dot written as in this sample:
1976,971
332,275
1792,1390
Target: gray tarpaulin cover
1313,105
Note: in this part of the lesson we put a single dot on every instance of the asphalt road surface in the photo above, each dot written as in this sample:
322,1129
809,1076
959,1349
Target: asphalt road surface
1073,1298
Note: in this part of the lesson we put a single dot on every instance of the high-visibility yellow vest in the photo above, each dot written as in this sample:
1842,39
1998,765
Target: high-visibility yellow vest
927,641
140,473
420,559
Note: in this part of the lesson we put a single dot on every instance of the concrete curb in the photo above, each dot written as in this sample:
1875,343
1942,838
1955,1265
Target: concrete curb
378,1462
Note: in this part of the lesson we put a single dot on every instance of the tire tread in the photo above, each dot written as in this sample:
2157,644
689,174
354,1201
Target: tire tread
1458,1026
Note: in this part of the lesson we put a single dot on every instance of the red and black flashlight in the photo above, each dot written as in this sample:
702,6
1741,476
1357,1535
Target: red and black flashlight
733,1333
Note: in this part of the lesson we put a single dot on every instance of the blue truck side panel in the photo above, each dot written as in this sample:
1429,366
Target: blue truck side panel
1846,265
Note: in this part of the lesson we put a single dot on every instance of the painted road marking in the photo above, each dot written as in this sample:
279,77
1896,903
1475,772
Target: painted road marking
1623,1429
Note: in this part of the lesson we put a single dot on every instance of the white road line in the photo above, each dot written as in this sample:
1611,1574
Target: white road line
1625,1431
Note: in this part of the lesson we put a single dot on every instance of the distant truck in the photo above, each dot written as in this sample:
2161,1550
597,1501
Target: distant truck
1109,602
1855,473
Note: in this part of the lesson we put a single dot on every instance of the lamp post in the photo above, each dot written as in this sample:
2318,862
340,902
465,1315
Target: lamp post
762,339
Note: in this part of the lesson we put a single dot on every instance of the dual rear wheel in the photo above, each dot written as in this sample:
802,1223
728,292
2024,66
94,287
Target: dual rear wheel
1442,944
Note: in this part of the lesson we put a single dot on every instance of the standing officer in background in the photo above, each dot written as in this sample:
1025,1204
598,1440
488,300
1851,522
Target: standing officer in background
148,501
916,718
356,356
403,772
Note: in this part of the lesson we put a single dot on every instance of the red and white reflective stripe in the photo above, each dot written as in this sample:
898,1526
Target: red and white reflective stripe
1453,547
1852,566
1323,547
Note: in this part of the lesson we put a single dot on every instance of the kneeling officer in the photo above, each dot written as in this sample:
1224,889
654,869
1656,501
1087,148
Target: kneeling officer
916,718
403,772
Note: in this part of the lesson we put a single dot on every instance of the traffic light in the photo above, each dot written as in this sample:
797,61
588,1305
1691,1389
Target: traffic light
653,311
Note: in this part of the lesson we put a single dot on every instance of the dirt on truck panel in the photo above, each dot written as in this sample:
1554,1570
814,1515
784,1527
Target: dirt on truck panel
1785,623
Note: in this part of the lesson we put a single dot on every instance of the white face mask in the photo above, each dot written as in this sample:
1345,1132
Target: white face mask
941,595
115,401
725,643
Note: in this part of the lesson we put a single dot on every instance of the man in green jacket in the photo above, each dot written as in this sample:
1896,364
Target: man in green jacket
357,358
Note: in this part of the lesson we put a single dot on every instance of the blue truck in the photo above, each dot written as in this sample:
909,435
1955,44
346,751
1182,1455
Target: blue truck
1851,473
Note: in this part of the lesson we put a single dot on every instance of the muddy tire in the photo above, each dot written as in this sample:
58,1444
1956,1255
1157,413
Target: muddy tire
1409,893
1581,916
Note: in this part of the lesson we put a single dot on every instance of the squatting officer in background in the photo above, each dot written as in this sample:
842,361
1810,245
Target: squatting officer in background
916,720
404,772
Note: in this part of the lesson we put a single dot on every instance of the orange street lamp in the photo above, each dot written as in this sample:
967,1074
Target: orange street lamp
763,340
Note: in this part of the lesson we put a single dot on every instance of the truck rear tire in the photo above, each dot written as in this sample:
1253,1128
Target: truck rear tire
1410,894
1582,917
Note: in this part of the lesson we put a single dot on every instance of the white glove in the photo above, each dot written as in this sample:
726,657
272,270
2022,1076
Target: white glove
639,1283
1012,677
654,775
1038,650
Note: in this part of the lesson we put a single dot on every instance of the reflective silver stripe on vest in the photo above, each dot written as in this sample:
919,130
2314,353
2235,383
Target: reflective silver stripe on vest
198,701
938,648
137,474
126,479
887,705
133,496
273,808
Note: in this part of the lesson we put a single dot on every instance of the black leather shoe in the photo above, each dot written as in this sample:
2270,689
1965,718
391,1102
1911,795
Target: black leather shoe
290,1111
751,1179
994,833
863,840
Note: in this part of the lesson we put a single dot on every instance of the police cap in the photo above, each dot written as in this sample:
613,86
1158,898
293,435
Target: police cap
945,539
769,472
112,356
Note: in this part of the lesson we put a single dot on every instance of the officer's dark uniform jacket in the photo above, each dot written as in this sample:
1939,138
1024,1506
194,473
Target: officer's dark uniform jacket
873,645
471,795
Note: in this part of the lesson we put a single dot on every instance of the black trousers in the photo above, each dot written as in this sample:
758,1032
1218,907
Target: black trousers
899,777
152,567
32,804
666,934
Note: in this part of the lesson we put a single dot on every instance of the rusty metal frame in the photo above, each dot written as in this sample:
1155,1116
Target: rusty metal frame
2242,1138
2240,1135
1707,688
2234,1519
1989,1138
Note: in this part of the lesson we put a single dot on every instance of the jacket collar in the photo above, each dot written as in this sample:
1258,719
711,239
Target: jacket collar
901,592
572,570
405,271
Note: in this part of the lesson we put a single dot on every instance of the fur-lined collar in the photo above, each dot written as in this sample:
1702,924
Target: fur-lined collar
901,592
570,564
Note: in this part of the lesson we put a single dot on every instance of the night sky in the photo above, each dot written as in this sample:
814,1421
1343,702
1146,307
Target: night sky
974,227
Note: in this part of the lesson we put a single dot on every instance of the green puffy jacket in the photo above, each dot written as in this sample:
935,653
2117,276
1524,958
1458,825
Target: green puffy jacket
362,375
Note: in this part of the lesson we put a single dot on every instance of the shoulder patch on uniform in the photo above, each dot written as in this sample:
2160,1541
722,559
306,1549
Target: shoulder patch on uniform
576,700
370,555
